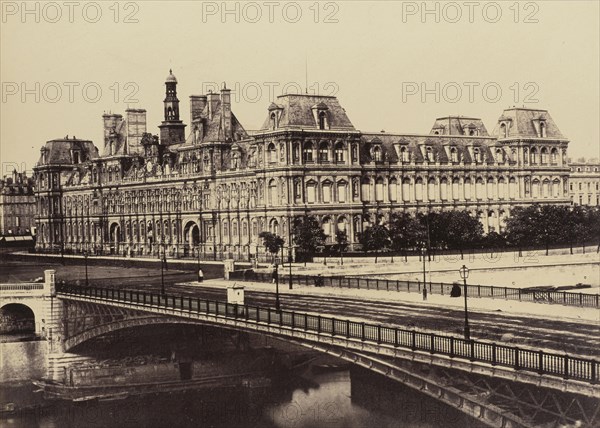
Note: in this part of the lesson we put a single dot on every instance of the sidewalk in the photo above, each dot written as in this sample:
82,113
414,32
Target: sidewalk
499,306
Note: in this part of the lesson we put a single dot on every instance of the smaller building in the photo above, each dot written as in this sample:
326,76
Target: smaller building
584,186
17,204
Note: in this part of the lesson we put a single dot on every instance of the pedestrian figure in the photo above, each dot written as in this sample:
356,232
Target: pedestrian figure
424,293
455,290
200,275
274,274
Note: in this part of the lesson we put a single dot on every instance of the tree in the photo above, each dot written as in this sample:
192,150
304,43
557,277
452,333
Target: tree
272,242
374,238
405,232
308,235
463,230
341,243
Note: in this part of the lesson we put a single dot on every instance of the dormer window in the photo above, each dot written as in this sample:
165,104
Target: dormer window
453,154
404,154
322,120
429,154
273,121
499,155
321,115
377,153
542,129
75,156
476,155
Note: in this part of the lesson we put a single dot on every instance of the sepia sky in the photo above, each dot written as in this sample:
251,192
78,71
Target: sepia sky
61,73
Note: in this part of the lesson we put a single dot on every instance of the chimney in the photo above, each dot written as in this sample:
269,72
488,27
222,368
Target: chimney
136,127
111,122
197,104
226,111
213,99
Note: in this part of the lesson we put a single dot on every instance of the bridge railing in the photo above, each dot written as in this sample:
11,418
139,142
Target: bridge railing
539,361
488,291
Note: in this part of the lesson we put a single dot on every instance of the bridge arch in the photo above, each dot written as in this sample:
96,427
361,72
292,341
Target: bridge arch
18,317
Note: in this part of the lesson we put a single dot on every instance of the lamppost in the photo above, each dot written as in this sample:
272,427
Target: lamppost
276,274
162,270
464,274
85,258
290,261
423,253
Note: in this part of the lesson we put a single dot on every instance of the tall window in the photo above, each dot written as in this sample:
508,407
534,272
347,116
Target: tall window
477,155
272,153
393,189
273,121
323,152
377,154
379,189
326,192
322,120
307,152
339,152
404,154
311,192
453,154
272,192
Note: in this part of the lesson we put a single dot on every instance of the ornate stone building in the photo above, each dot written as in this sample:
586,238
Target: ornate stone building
212,193
584,186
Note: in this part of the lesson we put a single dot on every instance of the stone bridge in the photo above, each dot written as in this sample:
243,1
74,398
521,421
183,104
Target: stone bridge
497,384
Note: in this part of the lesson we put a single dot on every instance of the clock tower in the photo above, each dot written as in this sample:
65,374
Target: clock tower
172,130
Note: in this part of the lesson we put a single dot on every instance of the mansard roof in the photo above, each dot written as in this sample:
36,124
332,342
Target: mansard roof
59,151
211,118
458,125
297,112
523,123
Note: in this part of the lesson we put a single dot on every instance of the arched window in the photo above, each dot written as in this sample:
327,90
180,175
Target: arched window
326,186
499,155
406,189
393,189
544,155
431,189
546,188
273,121
453,154
323,152
503,130
311,187
271,153
377,154
535,188
379,189
556,188
534,156
341,191
307,152
274,226
429,154
479,188
543,129
491,191
476,155
322,120
272,192
404,154
327,228
468,184
342,224
444,189
339,152
365,188
554,156
501,188
456,188
512,188
419,189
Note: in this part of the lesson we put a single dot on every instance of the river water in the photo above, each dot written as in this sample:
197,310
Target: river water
333,399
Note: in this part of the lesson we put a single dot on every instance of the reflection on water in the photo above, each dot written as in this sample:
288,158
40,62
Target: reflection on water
337,399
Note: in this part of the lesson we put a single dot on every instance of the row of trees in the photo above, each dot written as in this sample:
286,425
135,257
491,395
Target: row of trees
535,225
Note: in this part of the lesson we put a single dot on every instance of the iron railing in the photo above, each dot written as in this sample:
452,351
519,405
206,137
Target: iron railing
441,288
539,361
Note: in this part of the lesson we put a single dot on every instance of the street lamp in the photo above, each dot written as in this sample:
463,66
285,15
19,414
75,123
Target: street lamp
85,258
423,253
464,274
162,270
276,274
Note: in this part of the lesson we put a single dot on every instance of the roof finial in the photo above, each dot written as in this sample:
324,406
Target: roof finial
170,71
